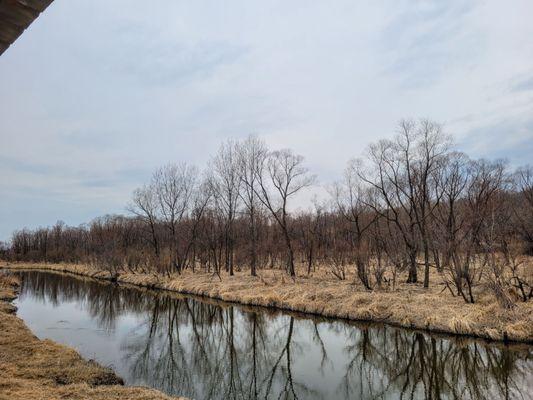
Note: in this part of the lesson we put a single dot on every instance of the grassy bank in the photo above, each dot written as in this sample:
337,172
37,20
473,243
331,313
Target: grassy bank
42,369
409,306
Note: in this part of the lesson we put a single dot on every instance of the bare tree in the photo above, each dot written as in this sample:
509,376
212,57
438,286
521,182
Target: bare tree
251,156
189,231
470,241
310,233
145,205
351,200
448,220
431,150
226,184
387,175
402,172
280,176
175,185
523,208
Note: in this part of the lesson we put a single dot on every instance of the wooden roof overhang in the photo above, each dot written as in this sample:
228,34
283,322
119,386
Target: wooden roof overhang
16,16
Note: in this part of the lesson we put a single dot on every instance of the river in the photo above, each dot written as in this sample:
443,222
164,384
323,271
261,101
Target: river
205,349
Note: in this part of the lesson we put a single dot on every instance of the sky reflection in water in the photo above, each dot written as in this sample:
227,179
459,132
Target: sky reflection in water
212,350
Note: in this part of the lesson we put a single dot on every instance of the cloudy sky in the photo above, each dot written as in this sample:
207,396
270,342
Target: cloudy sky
96,94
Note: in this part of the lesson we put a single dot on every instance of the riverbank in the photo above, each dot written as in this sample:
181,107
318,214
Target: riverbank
408,306
31,368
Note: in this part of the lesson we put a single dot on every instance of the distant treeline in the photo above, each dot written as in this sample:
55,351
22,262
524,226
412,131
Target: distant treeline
412,204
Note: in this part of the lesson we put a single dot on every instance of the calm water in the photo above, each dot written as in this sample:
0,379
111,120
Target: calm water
212,350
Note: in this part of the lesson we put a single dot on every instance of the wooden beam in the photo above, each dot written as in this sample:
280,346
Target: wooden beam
16,16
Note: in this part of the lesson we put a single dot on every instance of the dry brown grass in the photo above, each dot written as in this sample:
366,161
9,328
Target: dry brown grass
408,306
41,369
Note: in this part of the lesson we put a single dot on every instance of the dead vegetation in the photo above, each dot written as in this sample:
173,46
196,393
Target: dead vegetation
321,293
42,369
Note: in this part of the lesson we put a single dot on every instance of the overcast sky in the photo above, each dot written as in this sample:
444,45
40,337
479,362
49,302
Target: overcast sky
96,94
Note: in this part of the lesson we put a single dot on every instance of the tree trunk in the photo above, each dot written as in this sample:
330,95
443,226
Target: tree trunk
253,267
426,264
413,275
290,253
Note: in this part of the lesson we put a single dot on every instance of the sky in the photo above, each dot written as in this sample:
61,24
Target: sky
97,94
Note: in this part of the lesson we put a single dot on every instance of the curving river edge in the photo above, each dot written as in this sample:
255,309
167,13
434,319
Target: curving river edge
413,311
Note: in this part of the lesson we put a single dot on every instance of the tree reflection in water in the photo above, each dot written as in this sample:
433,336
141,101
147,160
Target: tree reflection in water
211,350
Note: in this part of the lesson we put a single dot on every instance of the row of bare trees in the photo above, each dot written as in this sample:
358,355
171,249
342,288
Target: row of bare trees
411,204
244,184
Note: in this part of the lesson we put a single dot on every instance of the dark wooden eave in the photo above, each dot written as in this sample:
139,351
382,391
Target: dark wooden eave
16,16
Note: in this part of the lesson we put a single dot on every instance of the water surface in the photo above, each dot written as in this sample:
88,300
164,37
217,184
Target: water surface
213,350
